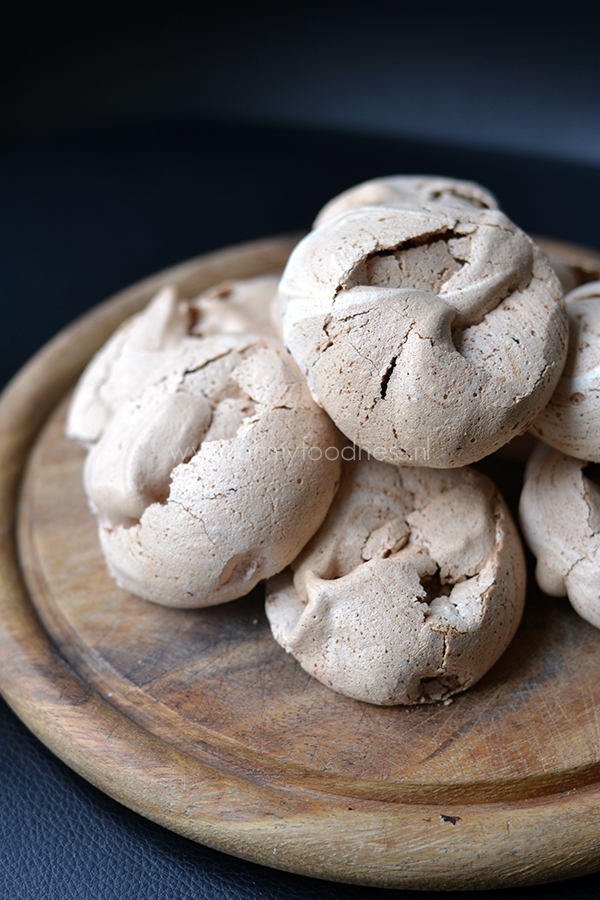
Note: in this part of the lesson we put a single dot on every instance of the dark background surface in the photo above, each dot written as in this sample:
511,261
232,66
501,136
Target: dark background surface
517,75
134,137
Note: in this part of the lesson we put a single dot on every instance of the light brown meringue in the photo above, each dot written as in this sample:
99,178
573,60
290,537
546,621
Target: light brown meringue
215,475
410,591
431,335
560,518
414,190
128,360
571,420
249,305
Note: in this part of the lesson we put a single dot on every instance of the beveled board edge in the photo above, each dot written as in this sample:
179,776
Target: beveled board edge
326,836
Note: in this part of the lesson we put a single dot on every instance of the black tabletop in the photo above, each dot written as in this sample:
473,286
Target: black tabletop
82,217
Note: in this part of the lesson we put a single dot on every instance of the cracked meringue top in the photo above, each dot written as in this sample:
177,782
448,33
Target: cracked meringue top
571,420
431,335
214,475
413,190
411,589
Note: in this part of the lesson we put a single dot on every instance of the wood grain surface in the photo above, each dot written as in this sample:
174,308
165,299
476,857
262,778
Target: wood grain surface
200,721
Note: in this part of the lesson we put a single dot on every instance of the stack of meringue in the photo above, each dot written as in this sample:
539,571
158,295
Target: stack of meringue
416,331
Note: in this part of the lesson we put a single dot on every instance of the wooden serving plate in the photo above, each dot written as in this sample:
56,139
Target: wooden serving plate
198,720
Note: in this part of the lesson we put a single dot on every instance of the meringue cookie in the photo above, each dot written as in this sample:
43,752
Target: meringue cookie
130,357
411,589
560,519
571,420
431,335
249,305
416,190
215,475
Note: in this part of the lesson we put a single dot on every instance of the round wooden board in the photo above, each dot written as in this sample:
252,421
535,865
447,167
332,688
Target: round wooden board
198,720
